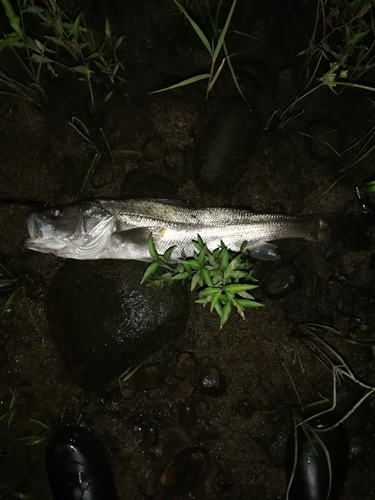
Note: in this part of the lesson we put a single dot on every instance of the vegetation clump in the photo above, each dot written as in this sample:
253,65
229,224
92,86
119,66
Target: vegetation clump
223,277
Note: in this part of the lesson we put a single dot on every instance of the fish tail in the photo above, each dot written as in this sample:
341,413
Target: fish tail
347,231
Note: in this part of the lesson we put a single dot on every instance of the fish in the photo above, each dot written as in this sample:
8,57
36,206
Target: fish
120,229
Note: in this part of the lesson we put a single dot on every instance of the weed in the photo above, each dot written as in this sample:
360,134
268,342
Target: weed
214,43
345,38
222,276
62,39
311,335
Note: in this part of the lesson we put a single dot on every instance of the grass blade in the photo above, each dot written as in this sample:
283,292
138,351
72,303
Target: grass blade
193,79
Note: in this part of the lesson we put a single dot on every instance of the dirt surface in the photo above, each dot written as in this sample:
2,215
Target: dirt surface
256,365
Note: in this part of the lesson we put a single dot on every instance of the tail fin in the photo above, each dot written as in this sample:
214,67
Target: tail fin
347,231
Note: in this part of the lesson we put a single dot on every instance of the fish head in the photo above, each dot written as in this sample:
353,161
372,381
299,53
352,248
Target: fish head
78,231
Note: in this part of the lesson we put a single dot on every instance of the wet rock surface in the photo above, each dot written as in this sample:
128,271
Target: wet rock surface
99,311
212,382
281,280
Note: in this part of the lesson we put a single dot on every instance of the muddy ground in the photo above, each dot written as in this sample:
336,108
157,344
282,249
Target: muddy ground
241,427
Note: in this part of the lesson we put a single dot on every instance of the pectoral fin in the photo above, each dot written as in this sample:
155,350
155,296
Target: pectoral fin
264,251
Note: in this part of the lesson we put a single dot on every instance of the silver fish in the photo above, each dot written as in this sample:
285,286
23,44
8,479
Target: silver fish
120,229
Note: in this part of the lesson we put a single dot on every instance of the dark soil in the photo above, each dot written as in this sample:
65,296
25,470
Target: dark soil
227,394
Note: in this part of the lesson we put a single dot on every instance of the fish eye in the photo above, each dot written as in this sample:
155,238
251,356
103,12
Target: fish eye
56,212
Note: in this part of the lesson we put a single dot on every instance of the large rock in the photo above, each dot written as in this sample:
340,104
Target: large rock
226,147
104,321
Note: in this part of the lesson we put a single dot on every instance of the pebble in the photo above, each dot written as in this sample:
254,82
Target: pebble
282,280
212,382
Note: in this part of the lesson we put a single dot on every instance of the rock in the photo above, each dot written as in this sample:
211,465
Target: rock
105,322
324,140
226,147
282,280
186,470
212,382
140,184
149,377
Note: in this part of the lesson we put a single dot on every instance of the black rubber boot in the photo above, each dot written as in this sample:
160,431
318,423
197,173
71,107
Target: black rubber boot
77,467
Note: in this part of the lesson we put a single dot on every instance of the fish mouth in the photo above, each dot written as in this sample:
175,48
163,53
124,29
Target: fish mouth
33,227
38,238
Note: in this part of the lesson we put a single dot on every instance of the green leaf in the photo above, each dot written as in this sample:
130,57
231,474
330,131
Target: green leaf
181,276
81,69
12,40
215,300
223,32
109,95
108,31
248,303
196,28
206,276
151,248
188,81
207,292
190,264
226,312
202,255
76,26
196,279
224,257
149,271
13,18
168,253
238,287
199,245
119,41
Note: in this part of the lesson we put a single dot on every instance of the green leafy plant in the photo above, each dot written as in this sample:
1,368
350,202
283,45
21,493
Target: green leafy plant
339,56
342,35
63,39
214,42
224,278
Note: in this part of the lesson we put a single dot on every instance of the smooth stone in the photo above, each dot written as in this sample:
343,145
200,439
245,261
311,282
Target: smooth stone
149,377
140,184
226,147
212,382
324,140
186,470
105,322
282,280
